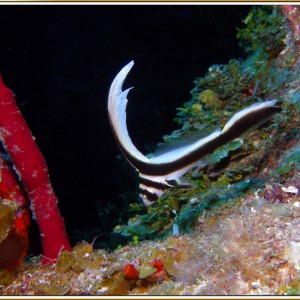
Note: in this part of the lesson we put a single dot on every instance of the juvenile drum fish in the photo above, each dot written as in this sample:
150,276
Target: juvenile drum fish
164,170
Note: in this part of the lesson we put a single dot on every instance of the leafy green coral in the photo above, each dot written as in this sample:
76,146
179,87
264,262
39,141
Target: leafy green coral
263,28
210,97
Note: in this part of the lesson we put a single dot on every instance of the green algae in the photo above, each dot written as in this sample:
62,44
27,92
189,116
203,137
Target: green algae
263,28
289,161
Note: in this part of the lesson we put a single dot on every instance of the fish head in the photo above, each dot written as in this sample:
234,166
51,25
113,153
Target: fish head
149,194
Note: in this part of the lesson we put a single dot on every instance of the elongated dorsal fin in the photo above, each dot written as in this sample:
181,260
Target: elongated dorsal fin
117,102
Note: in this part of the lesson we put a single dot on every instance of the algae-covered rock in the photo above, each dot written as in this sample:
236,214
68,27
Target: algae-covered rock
78,258
8,211
145,271
55,286
66,261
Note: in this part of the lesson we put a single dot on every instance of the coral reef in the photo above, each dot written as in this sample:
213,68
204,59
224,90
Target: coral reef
242,165
238,229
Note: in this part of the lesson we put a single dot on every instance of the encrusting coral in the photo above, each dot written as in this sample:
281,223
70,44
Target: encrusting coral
239,227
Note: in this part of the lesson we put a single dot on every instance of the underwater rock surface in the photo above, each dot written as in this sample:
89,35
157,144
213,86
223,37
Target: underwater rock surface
239,228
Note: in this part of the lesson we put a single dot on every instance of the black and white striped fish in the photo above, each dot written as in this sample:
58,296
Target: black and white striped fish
164,171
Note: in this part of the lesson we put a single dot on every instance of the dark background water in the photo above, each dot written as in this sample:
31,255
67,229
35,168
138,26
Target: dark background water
60,60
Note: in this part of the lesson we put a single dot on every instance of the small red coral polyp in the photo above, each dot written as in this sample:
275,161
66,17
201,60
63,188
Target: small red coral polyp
130,270
158,264
160,274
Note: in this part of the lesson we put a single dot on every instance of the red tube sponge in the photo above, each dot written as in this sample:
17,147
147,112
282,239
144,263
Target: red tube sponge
32,170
